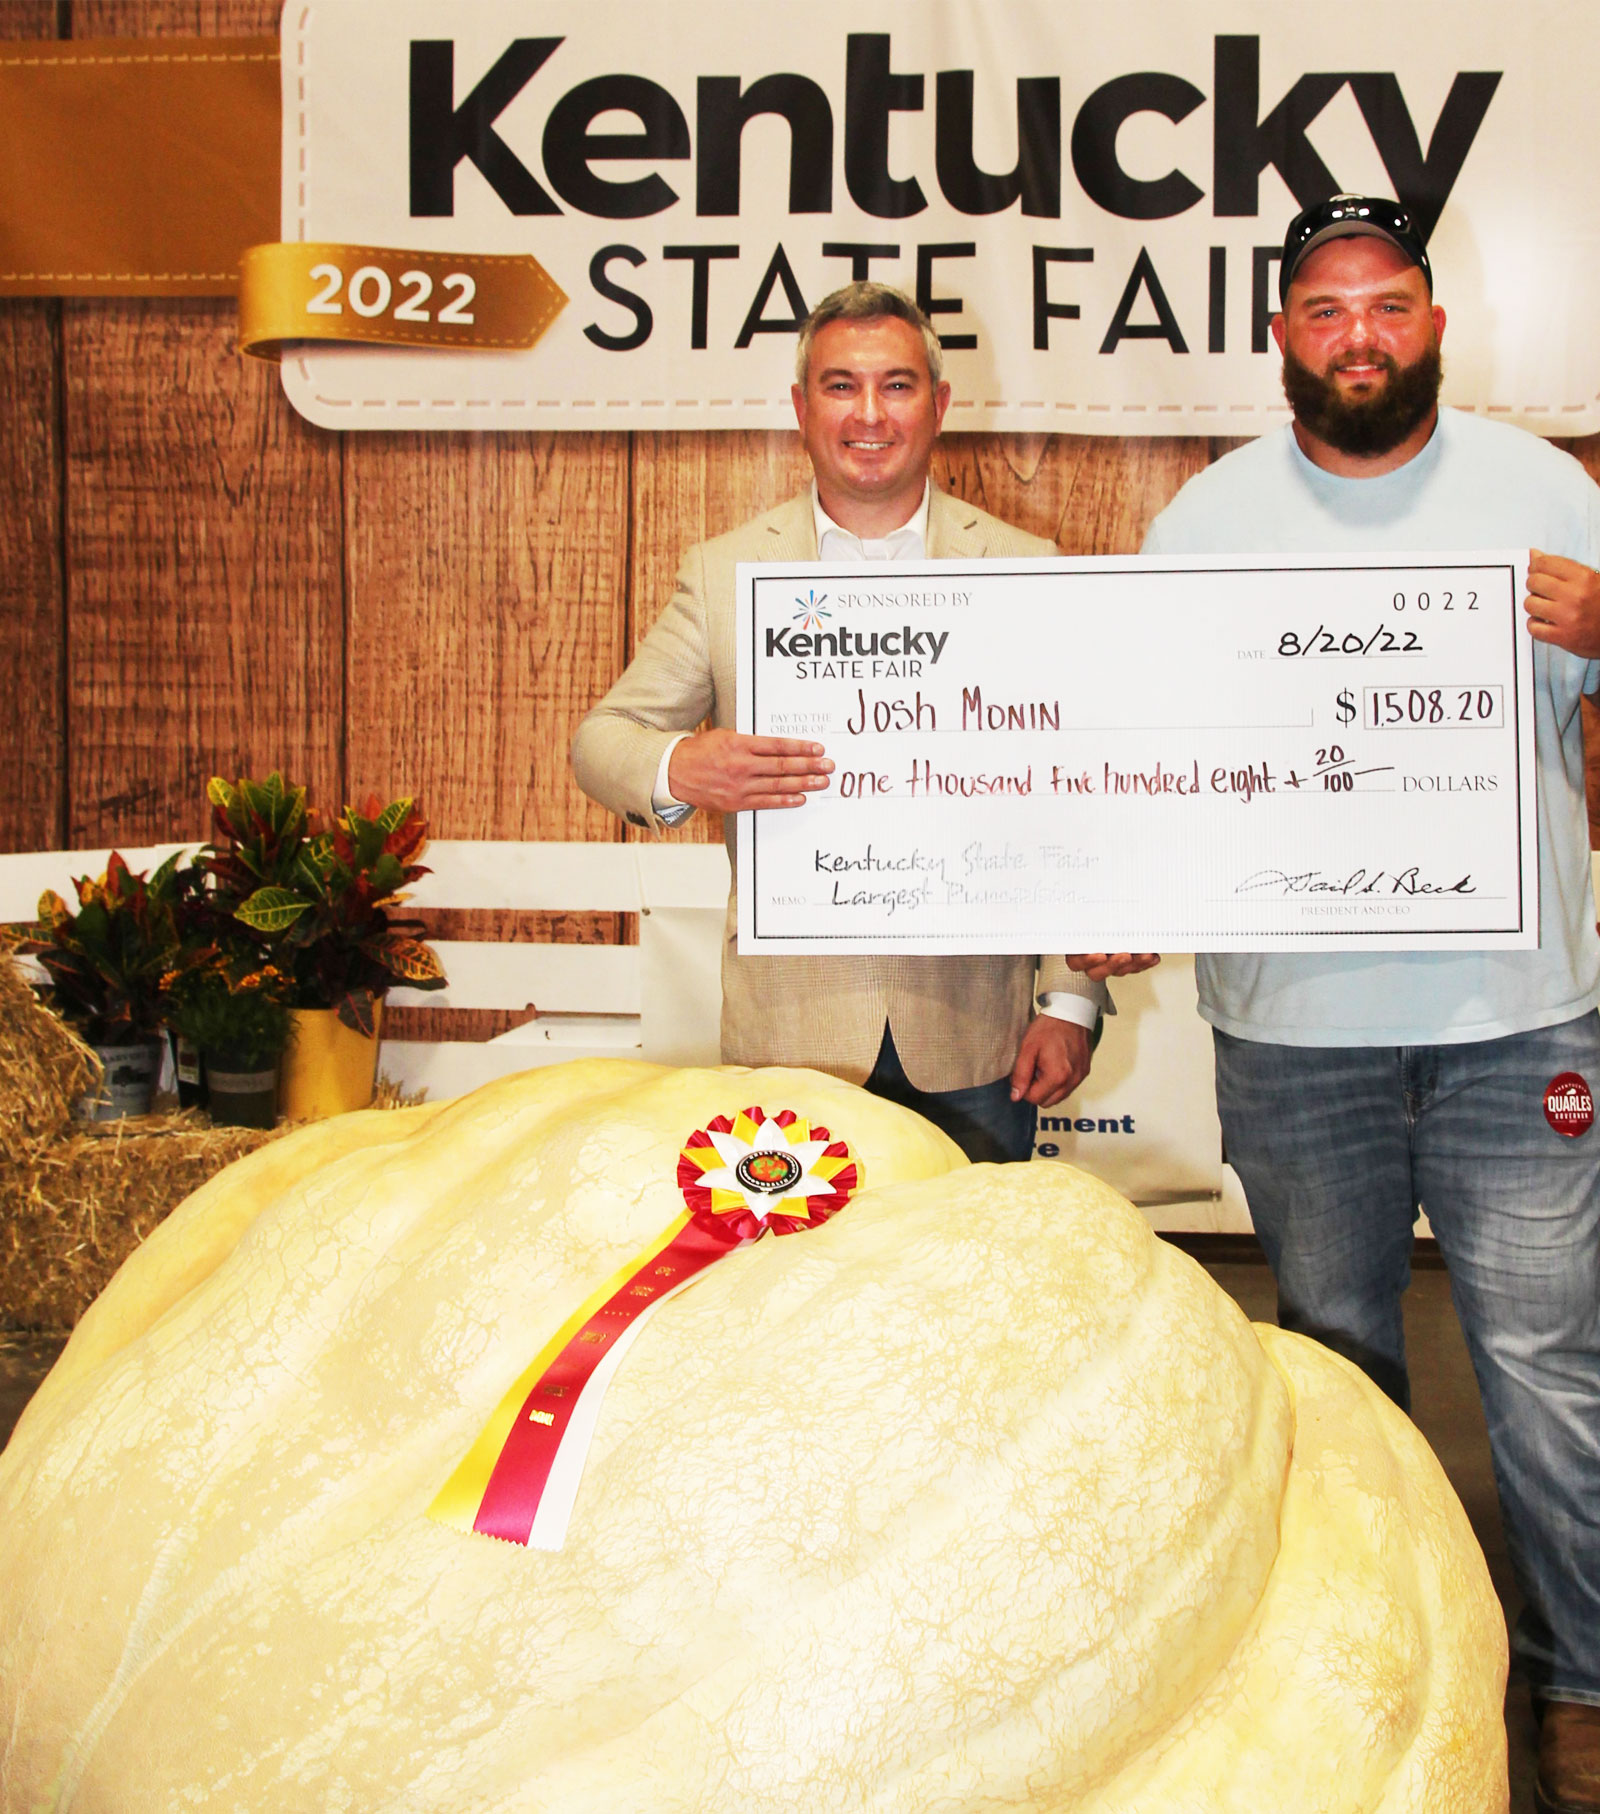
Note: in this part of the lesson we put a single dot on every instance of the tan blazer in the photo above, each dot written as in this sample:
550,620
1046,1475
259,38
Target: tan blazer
957,1021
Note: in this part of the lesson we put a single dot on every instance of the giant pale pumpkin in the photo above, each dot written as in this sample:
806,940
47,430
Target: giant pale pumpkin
975,1497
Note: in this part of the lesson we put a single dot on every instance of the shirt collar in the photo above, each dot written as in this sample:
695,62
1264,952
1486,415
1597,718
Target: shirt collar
907,543
1398,480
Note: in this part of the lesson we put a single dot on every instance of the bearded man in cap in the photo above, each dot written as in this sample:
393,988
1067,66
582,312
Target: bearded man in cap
1354,1087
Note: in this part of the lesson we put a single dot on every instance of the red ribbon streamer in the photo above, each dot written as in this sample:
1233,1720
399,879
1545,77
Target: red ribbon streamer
517,1484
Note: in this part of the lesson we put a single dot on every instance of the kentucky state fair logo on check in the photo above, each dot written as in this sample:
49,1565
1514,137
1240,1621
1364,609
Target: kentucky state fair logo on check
847,633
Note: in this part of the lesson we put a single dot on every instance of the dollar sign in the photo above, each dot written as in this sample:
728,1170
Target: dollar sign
1345,706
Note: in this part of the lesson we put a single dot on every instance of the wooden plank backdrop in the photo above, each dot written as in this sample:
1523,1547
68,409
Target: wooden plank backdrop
195,581
203,540
32,604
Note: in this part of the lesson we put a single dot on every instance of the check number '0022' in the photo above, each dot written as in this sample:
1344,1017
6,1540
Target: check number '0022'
1423,708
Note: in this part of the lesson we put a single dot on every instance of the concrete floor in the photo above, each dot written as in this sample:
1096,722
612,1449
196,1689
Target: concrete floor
24,1361
1445,1407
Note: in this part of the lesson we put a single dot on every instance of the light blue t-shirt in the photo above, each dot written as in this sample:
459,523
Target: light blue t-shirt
1477,484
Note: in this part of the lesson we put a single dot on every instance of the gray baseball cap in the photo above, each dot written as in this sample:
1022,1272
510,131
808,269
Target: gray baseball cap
1350,217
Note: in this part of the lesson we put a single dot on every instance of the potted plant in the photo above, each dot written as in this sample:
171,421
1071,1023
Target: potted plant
232,1007
198,923
109,966
321,900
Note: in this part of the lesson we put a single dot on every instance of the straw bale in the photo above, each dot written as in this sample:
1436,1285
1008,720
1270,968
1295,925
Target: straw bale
76,1198
44,1066
74,1210
387,1094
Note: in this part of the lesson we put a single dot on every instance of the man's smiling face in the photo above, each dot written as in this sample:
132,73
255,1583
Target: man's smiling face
868,415
1360,341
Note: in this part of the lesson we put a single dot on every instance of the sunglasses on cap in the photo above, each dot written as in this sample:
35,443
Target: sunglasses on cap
1349,217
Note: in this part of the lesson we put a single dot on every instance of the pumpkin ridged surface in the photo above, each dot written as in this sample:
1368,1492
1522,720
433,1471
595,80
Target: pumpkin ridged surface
977,1497
1378,1653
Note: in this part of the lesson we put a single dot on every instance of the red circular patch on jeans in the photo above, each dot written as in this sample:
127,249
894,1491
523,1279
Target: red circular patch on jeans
1569,1105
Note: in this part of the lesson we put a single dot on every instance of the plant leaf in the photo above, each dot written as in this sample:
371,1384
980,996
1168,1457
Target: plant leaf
259,800
387,875
394,816
412,960
295,815
161,882
355,1010
271,910
222,796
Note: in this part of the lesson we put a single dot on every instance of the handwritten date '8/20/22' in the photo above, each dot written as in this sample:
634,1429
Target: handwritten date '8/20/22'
1295,645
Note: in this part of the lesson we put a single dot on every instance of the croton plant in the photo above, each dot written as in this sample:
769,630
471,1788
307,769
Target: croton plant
322,897
110,962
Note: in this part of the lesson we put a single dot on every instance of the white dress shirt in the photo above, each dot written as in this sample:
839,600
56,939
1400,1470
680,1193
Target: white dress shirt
907,543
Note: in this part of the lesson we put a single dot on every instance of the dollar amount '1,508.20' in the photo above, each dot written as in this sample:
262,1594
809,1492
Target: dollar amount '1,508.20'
1423,708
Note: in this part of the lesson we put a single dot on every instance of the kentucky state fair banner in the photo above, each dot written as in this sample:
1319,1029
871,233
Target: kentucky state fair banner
1088,200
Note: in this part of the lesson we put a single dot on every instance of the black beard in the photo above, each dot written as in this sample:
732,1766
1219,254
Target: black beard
1365,426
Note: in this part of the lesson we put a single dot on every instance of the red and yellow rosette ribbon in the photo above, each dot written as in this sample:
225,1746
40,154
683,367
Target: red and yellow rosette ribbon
739,1176
740,1169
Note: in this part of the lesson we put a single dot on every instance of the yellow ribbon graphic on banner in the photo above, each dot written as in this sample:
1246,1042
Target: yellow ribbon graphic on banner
386,296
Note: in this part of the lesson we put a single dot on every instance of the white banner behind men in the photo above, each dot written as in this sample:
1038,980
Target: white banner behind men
1089,200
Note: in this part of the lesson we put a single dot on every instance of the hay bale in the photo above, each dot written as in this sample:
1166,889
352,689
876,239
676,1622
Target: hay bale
77,1198
44,1066
387,1094
71,1214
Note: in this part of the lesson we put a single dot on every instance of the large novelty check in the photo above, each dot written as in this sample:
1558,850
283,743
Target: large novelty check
1323,752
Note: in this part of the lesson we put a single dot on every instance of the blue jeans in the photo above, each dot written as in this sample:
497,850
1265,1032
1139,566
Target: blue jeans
1336,1146
983,1121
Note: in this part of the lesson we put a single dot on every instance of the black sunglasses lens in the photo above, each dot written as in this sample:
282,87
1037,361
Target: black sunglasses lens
1329,213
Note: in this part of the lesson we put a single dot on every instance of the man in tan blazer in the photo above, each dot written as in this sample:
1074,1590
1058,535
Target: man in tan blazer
956,1038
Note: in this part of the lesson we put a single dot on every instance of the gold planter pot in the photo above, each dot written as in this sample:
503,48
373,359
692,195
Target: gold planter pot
328,1067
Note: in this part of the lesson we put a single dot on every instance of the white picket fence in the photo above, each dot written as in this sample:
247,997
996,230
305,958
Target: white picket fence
1145,1121
658,999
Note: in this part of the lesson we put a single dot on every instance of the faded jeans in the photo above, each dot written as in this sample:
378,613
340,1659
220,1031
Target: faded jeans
1336,1146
